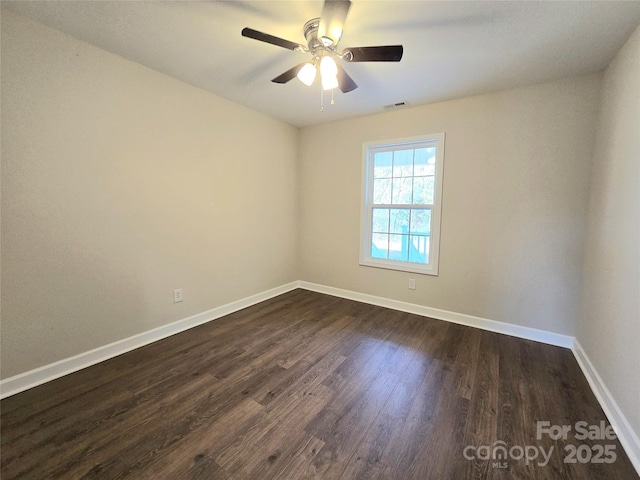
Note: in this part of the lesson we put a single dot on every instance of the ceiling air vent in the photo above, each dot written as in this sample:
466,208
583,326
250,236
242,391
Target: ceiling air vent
395,106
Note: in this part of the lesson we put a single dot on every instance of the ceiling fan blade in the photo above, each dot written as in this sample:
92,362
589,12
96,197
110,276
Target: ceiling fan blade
388,53
265,37
345,82
334,14
288,75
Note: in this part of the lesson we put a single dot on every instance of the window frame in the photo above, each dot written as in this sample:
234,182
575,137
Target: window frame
436,140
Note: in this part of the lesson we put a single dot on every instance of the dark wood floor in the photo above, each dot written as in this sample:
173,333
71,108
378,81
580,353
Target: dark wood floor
310,386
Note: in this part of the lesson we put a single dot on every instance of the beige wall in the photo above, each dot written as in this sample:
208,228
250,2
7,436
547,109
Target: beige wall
516,180
610,328
120,184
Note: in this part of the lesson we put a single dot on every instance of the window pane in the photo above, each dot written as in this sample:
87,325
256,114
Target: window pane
380,220
421,221
431,186
398,247
402,188
382,164
382,191
419,249
399,220
403,163
423,190
419,190
425,161
379,245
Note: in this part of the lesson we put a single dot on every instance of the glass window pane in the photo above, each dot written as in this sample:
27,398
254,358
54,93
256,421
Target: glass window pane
398,247
382,191
399,220
419,190
425,161
420,162
382,164
402,190
431,186
419,249
423,190
421,221
403,163
379,245
380,220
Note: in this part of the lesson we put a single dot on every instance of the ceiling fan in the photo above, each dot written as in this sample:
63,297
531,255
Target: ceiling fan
322,35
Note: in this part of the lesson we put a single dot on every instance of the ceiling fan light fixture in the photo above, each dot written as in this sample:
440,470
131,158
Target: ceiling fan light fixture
307,74
329,72
328,67
329,82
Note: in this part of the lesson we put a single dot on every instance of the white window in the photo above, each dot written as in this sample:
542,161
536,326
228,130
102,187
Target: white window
402,191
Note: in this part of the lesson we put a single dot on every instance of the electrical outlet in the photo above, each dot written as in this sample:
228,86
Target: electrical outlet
412,284
177,295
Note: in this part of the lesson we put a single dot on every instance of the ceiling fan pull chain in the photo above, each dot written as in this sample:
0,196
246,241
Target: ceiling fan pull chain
321,99
332,103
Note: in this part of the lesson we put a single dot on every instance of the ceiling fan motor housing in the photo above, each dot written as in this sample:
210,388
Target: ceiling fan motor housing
311,34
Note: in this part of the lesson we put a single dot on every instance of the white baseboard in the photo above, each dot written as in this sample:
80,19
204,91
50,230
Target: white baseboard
625,433
38,376
33,378
460,318
628,438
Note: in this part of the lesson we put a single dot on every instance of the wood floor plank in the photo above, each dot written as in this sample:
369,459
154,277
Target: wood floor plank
483,412
366,460
439,455
194,455
466,362
58,452
410,432
512,426
345,432
273,448
301,459
109,400
308,386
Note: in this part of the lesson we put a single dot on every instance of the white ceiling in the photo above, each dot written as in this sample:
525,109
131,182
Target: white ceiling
451,49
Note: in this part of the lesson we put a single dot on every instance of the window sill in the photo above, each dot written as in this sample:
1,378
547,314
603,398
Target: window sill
400,266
